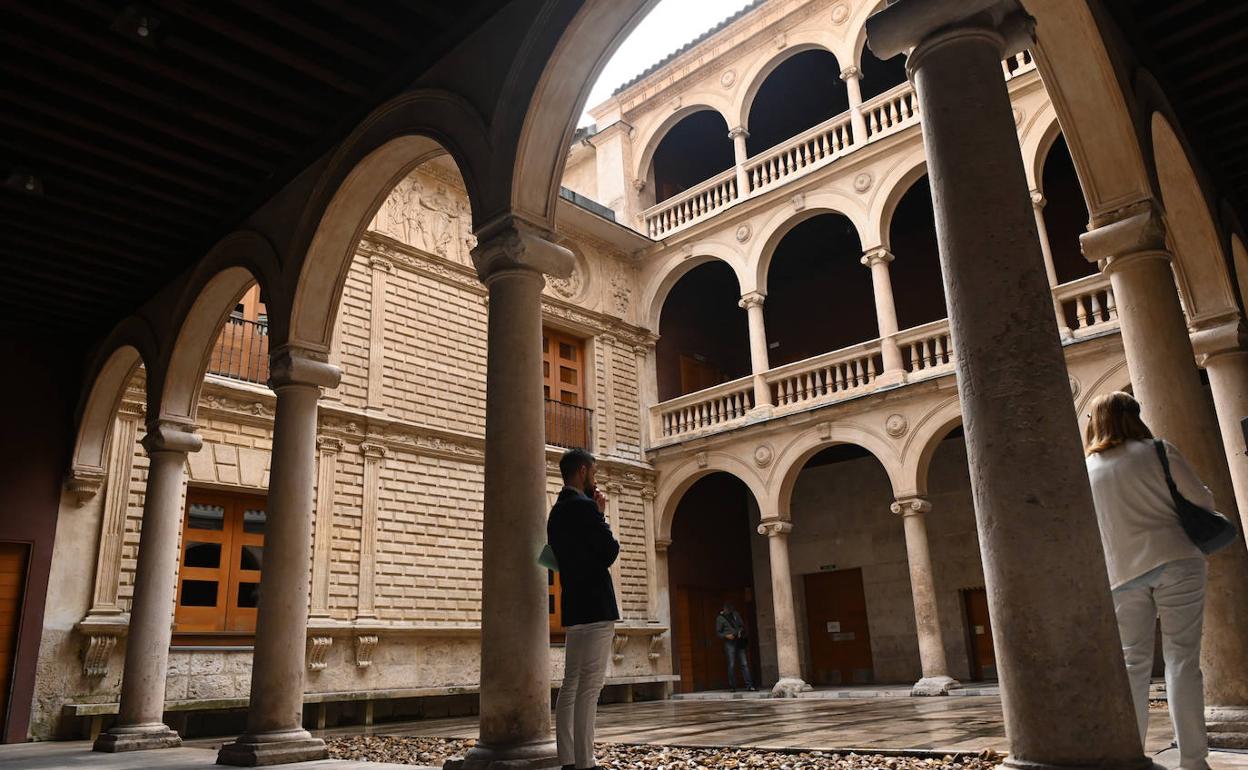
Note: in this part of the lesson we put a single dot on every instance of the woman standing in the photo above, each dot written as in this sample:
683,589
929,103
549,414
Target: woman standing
1154,568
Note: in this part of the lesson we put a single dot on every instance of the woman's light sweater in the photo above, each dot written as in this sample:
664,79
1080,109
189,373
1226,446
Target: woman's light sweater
1139,524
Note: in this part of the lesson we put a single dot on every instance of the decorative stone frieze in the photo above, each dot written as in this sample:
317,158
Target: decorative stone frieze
318,650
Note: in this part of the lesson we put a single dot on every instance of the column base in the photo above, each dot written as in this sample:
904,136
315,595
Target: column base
789,687
1227,727
1143,763
541,755
137,738
935,685
890,377
273,748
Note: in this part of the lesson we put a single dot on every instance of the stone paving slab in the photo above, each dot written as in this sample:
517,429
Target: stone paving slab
71,755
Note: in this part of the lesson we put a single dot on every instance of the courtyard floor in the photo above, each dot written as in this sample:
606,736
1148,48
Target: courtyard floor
675,731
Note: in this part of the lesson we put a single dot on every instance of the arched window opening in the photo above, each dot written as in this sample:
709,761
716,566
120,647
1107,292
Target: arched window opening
713,560
694,150
804,91
1065,214
880,75
818,293
703,333
918,290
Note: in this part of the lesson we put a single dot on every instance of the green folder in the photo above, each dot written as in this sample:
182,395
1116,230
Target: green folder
547,558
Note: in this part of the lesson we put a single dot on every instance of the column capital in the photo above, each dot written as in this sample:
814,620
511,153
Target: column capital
873,256
1038,199
329,444
169,436
511,244
373,449
901,27
851,72
740,131
1137,230
751,299
910,506
300,366
381,263
775,528
1219,339
662,544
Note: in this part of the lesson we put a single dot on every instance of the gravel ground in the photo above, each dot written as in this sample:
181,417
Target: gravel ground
432,751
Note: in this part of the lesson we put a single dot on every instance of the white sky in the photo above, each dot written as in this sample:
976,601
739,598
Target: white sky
669,26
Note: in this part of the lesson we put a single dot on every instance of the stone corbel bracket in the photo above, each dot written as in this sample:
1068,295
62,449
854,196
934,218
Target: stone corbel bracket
84,483
102,634
365,644
656,647
318,650
617,647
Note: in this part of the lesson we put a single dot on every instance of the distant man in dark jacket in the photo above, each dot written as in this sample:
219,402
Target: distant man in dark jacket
730,627
578,533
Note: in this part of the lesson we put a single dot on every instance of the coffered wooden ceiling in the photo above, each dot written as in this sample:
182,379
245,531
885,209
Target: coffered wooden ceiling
134,135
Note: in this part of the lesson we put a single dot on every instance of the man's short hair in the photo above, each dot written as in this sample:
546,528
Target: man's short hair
572,461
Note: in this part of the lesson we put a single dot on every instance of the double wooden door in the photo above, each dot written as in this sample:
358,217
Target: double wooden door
836,620
699,651
979,633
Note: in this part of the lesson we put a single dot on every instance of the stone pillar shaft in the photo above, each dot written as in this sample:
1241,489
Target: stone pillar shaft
885,311
1224,356
1053,625
740,156
1042,230
275,731
788,658
936,679
759,364
853,84
140,715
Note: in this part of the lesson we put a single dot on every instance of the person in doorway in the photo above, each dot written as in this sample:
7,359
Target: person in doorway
585,549
730,627
1154,568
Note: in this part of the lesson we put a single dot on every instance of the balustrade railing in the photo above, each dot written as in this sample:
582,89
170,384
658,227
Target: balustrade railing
884,115
927,350
241,351
828,377
710,408
568,425
822,144
891,112
1088,305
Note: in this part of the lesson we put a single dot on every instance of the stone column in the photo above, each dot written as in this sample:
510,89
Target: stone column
1042,230
648,493
1223,352
275,731
753,304
515,632
936,679
1053,625
740,153
382,268
1165,379
323,528
366,600
853,84
788,658
885,315
663,588
139,718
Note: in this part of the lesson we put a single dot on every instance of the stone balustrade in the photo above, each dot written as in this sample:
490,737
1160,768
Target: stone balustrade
890,112
829,377
1018,64
927,351
692,205
801,154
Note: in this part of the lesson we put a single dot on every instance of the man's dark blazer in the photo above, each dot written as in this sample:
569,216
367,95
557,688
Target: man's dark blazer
585,549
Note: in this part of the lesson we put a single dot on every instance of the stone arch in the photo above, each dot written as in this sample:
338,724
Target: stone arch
924,439
642,166
792,458
100,403
1037,143
796,42
549,116
395,139
678,266
894,185
1239,258
857,23
683,476
1200,263
1115,377
788,216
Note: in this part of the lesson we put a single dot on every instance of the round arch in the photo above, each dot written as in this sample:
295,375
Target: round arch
1239,257
1037,143
1200,263
685,475
894,185
396,138
924,440
788,216
678,266
800,41
642,165
792,458
99,407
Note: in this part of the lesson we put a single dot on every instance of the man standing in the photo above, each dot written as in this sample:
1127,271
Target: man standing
730,627
584,547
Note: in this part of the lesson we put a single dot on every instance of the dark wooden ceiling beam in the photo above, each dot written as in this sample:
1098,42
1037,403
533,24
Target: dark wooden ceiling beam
1181,35
359,16
331,41
118,242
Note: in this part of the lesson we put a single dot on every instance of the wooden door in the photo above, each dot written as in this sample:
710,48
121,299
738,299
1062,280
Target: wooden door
979,634
697,375
222,556
836,619
563,383
699,651
12,592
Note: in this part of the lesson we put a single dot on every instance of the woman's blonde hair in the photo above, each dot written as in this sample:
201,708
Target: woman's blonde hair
1114,418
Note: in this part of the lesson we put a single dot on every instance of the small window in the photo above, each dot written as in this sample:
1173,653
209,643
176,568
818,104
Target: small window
222,555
